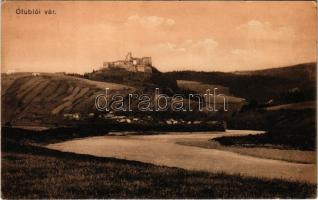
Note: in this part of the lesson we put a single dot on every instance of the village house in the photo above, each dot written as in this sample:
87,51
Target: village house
72,116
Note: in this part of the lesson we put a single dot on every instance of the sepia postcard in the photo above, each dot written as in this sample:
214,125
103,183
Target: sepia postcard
158,99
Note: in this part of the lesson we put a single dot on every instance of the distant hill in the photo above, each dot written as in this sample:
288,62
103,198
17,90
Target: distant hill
37,99
279,85
300,72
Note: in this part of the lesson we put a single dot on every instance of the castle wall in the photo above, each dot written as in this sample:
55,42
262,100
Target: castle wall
146,61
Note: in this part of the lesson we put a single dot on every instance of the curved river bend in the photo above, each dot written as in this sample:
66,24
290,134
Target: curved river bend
163,150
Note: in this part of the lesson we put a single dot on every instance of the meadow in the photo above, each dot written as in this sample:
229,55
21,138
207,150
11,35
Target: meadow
35,172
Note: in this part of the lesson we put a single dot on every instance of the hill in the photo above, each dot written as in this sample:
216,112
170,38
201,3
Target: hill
38,99
278,85
299,72
140,80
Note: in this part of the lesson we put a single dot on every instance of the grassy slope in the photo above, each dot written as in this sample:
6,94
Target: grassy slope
39,173
287,129
26,98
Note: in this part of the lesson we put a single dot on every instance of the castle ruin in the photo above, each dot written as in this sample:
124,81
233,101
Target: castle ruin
131,64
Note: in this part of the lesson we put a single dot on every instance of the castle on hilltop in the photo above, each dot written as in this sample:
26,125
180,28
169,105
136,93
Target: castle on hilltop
131,64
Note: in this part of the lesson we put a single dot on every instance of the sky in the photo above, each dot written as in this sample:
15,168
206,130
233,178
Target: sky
202,36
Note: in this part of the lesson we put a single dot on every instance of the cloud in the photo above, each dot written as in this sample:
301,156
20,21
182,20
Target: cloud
189,46
186,53
207,43
261,44
150,21
171,47
240,52
256,25
255,29
250,55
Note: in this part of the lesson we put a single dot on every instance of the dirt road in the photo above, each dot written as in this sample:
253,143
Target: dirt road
163,150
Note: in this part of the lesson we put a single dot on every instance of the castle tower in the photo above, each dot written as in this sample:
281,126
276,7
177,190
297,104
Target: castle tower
129,56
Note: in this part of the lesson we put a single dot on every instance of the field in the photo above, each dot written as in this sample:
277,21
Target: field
201,88
28,99
39,173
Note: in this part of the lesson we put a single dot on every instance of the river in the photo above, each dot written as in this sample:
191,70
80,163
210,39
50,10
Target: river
161,149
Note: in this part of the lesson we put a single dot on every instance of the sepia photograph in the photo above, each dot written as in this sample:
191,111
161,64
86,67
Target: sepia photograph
158,99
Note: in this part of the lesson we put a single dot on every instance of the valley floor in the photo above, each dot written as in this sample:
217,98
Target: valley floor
30,170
